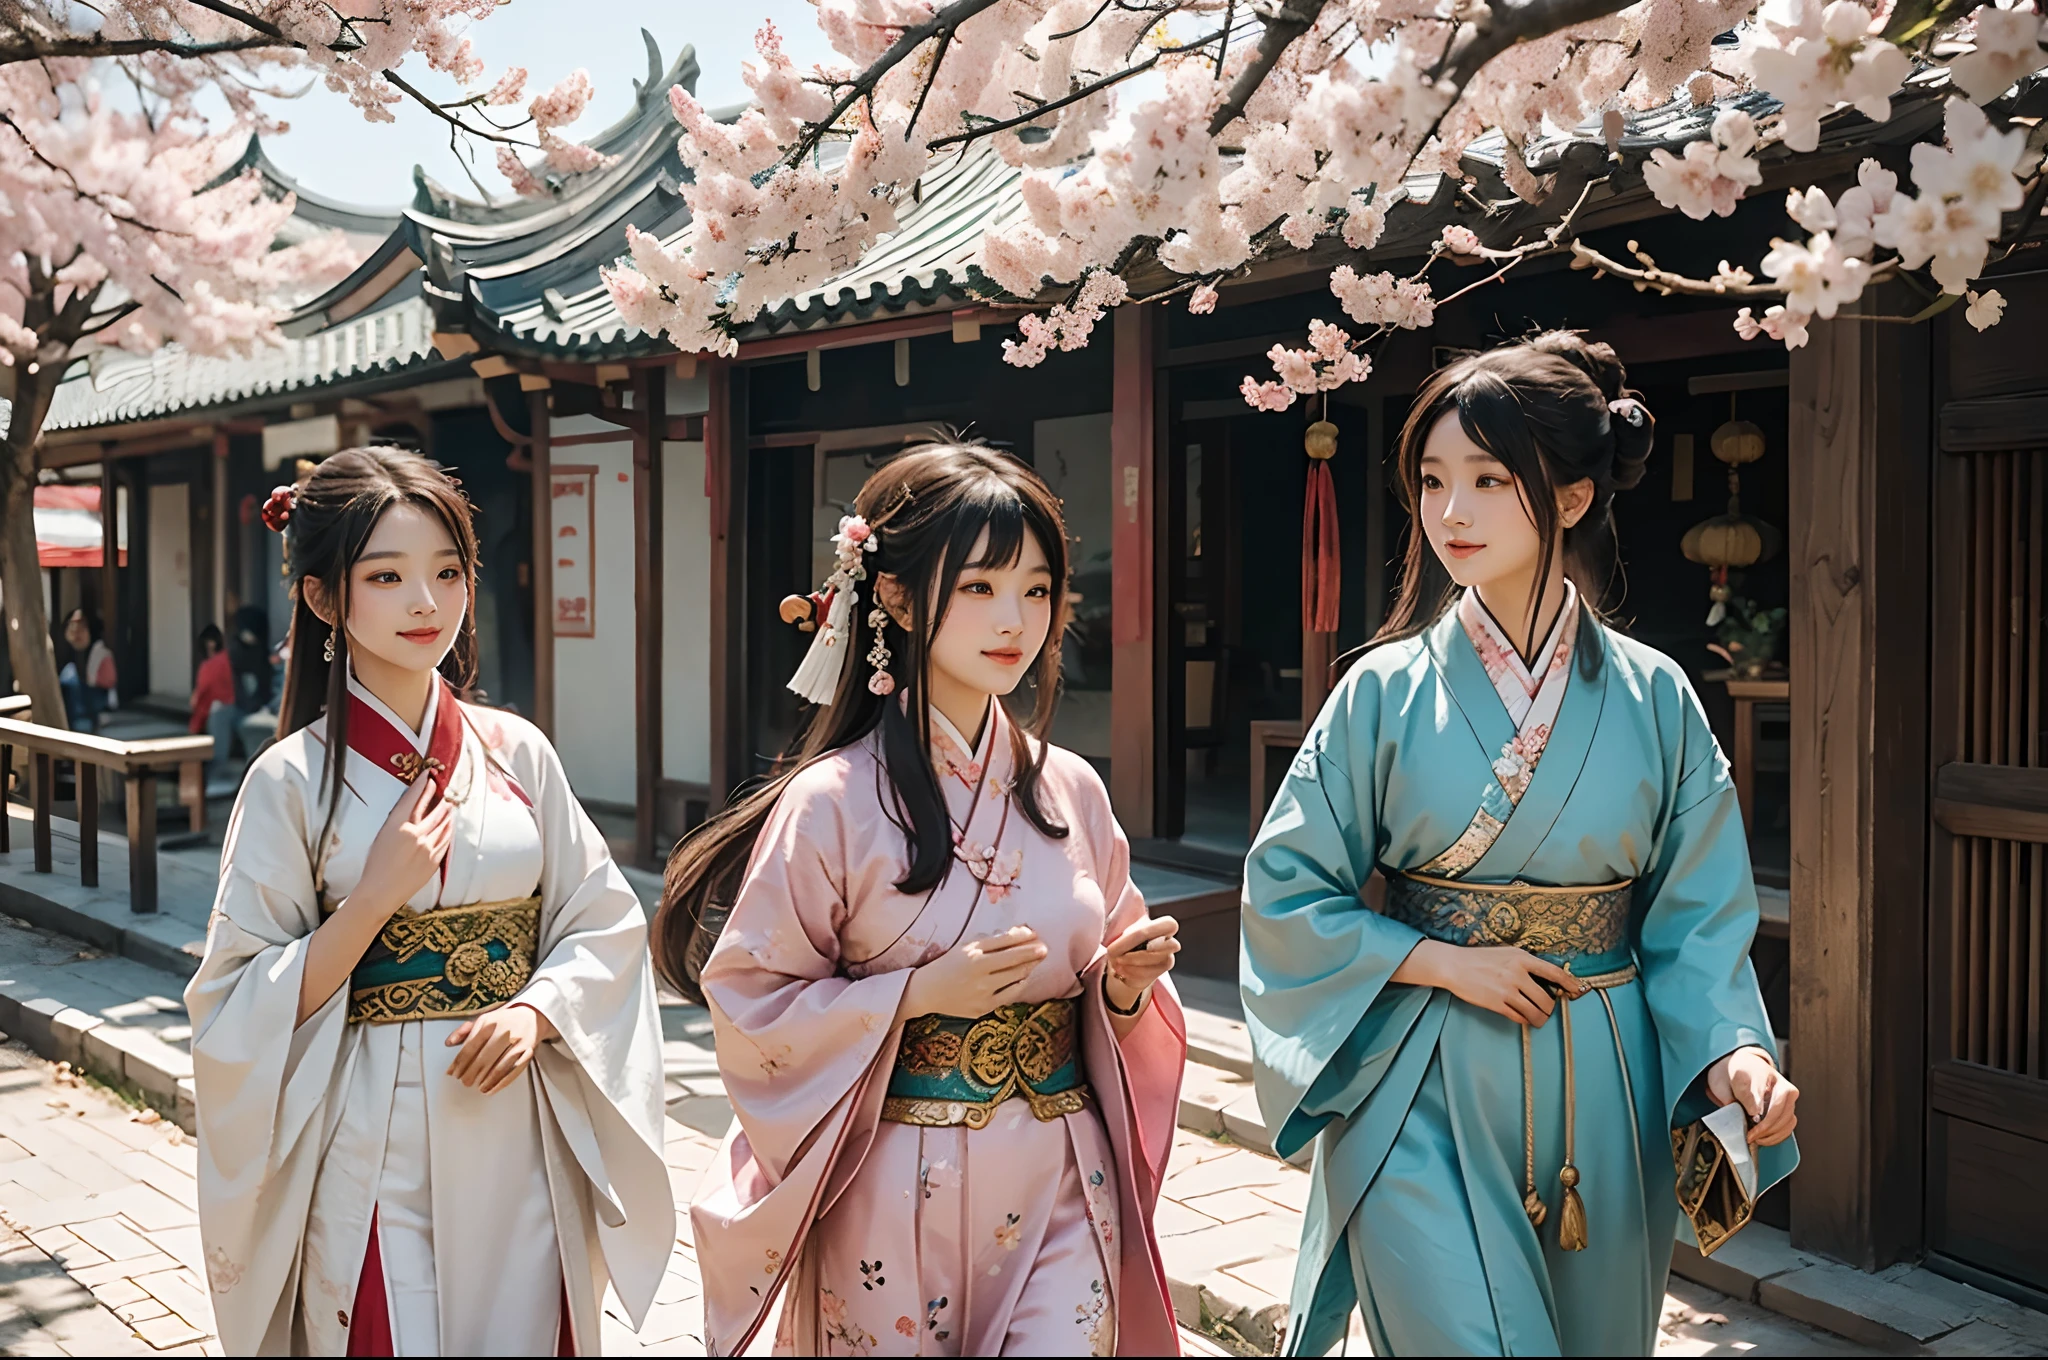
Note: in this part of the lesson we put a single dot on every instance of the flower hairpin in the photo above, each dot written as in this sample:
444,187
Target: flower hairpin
817,679
1629,409
277,511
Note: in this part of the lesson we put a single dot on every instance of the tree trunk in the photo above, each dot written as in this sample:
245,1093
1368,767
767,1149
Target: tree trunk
28,619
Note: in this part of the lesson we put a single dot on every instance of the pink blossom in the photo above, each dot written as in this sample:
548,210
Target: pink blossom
2008,49
1383,300
1460,240
1985,309
1813,58
1270,396
1710,179
1203,300
509,88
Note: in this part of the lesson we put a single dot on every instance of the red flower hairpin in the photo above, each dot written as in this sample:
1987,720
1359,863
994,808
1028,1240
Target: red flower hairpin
277,511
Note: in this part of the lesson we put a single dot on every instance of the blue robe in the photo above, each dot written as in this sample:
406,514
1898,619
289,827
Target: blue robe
1414,1098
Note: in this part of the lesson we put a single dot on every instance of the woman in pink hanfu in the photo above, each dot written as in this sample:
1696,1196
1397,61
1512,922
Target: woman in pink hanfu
941,1009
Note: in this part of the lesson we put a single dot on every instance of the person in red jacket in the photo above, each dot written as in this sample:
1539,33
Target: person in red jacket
213,707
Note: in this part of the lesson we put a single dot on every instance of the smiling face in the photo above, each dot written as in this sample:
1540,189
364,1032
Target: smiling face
407,593
1473,512
995,623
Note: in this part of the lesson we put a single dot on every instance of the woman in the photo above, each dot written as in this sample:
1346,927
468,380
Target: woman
424,1032
88,679
940,1007
1493,1069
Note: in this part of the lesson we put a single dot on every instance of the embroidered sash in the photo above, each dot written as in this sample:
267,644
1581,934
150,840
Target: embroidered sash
1532,699
950,1070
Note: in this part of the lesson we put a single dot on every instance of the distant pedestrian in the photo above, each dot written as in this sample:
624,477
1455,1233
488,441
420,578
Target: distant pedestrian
425,1043
88,680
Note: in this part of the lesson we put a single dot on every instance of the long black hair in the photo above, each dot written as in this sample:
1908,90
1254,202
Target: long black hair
334,513
928,509
1544,408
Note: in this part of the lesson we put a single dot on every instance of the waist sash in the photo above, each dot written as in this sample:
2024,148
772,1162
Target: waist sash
1562,924
446,963
1572,926
952,1070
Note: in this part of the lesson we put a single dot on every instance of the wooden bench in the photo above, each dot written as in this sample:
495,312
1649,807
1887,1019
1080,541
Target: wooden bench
139,763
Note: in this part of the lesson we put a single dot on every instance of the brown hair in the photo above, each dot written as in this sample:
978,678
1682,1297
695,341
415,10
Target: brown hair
336,509
928,509
1543,407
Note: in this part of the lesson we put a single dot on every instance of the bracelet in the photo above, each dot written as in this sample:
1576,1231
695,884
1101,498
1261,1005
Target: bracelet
1115,1009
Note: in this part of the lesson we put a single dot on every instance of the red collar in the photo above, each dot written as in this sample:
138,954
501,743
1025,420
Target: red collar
378,740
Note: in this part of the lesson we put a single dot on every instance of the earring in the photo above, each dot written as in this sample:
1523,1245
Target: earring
881,682
327,652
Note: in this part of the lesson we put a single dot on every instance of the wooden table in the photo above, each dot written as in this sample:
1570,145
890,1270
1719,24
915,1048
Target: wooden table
1747,694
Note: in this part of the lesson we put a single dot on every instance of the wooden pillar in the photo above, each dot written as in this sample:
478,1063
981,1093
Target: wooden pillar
725,486
1134,435
650,398
110,557
543,566
218,468
1860,459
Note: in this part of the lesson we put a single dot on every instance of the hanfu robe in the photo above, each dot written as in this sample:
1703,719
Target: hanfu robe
1441,753
340,1167
1020,1237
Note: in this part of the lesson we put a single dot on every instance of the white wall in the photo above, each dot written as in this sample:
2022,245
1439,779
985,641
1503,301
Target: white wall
595,726
170,589
686,616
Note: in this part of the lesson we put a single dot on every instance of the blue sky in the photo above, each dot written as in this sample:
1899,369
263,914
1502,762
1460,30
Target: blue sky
332,150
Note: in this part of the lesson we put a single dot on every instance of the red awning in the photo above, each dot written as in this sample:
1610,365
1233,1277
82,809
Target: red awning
68,532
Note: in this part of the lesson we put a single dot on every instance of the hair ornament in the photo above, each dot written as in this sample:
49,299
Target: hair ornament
1629,409
277,511
817,679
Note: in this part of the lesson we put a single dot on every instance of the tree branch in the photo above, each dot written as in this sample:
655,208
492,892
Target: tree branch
1050,106
96,45
863,85
431,107
1295,18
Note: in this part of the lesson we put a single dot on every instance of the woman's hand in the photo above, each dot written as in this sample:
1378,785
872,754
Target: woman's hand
1498,978
407,852
1750,1077
972,979
497,1046
1138,958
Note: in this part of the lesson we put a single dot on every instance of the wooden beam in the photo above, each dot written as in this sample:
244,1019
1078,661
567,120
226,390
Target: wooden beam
110,564
1860,491
1134,471
2003,802
543,564
650,393
725,471
871,333
1994,424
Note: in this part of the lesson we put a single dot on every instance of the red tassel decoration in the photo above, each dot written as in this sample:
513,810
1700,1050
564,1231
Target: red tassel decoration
1321,571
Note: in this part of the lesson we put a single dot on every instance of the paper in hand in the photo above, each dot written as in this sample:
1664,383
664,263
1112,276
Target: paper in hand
1730,1127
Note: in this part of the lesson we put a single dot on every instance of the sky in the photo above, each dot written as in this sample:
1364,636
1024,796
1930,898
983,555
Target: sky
332,150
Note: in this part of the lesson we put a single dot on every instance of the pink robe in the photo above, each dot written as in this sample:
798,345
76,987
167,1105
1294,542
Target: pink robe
1021,1237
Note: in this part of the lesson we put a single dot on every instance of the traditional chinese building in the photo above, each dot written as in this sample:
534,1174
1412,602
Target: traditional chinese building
1891,759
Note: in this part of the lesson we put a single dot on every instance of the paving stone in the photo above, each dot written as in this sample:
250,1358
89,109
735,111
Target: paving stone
1174,1218
1239,1169
1272,1277
1983,1337
111,1236
11,1151
178,1291
144,1308
119,1292
1228,1206
92,1277
168,1331
1866,1308
66,1249
183,1245
40,1176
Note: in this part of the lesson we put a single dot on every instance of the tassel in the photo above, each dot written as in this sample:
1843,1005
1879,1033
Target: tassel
817,679
1321,572
1532,1205
1571,1218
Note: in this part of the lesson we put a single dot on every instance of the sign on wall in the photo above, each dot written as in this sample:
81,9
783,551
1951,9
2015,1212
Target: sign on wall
574,497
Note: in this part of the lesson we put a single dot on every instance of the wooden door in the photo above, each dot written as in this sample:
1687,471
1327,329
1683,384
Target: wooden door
1987,1149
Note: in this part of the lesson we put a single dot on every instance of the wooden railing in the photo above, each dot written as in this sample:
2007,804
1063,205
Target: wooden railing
139,763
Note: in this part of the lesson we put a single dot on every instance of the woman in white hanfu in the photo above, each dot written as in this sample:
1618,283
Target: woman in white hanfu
425,1040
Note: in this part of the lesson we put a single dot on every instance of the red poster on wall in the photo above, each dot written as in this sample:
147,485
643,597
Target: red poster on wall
574,497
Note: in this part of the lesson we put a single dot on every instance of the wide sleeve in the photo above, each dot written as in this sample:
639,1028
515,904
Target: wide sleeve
603,1078
795,1036
1699,916
1316,962
262,1079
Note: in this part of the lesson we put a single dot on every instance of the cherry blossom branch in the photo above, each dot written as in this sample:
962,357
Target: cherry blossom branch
1665,283
1292,19
430,106
863,85
1050,106
97,200
32,48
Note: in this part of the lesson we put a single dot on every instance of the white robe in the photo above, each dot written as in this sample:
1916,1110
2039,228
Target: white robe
490,1208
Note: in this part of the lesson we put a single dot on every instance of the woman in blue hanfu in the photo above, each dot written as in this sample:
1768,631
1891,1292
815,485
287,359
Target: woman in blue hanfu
1553,973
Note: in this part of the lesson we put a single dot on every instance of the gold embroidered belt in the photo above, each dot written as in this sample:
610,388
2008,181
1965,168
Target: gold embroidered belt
1579,926
952,1070
1569,923
446,963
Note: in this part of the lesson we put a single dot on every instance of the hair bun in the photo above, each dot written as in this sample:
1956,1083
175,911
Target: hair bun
1635,428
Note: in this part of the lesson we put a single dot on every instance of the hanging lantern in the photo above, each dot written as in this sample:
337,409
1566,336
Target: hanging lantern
1320,569
1730,541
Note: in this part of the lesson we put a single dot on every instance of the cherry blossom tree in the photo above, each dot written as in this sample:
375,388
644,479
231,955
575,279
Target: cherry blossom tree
1261,126
115,226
